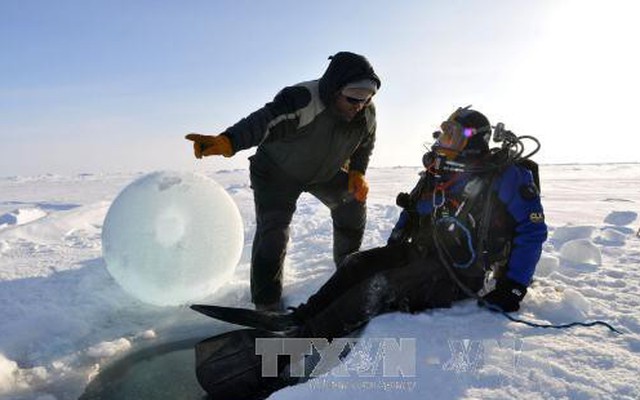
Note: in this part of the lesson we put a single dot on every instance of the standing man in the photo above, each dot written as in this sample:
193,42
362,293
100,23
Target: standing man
315,137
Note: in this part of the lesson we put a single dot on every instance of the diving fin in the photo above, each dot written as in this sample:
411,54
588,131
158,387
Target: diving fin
266,320
228,366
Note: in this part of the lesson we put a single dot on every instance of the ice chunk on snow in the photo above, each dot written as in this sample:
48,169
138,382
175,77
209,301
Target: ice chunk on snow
21,216
581,251
576,302
612,237
8,373
147,335
566,233
172,237
109,349
547,265
621,218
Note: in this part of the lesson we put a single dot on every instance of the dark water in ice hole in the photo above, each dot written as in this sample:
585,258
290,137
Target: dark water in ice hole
165,371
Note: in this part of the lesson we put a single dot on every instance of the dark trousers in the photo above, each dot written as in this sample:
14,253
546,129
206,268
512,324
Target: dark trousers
275,197
376,281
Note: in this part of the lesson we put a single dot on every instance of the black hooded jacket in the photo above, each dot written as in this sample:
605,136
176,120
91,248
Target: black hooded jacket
344,68
300,132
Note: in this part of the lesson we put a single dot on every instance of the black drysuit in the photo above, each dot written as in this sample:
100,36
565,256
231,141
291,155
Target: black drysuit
410,275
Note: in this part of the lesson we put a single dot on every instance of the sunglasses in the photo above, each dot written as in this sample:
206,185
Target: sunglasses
354,101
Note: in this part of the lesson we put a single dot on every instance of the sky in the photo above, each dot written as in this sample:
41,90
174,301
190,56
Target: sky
107,86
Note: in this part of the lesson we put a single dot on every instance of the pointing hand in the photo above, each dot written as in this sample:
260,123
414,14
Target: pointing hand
207,145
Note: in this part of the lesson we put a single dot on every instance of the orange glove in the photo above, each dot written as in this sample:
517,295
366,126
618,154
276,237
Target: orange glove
358,186
206,145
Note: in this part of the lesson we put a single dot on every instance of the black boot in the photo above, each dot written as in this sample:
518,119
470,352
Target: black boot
277,321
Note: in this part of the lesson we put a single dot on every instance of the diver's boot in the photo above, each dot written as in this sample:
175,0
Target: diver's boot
274,321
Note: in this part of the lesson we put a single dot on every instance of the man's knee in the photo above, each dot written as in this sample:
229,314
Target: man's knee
350,261
351,215
273,220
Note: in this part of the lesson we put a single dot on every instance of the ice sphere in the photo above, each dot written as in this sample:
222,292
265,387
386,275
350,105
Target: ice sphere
547,265
581,251
170,238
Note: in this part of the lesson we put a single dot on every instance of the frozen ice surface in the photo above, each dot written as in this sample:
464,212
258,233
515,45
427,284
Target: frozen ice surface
581,251
172,237
57,302
621,218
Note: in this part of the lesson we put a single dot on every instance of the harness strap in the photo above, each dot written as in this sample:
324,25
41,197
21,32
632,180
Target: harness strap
483,230
442,251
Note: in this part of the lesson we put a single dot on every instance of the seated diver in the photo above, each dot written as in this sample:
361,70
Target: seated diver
474,212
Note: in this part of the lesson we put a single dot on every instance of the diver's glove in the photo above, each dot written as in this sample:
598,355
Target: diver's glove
358,186
400,232
207,145
506,296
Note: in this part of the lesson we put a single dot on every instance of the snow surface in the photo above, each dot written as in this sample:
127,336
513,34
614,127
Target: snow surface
64,318
21,216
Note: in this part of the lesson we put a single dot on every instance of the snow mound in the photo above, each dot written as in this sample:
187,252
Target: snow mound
559,305
612,237
109,349
547,265
570,232
8,372
575,302
581,251
21,216
147,335
16,382
621,218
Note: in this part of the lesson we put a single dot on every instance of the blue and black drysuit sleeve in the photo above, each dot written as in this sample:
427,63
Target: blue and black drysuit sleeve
517,192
